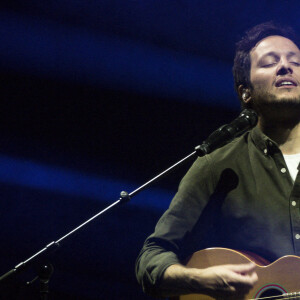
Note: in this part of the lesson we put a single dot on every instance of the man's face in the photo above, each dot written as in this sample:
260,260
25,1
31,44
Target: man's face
275,71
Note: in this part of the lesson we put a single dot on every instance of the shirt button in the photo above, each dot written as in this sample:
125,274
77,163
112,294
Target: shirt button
266,151
283,170
294,203
297,236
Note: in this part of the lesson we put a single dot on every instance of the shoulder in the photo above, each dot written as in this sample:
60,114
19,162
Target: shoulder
232,156
233,151
206,171
237,148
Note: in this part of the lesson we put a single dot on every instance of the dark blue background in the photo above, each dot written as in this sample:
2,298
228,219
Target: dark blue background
98,97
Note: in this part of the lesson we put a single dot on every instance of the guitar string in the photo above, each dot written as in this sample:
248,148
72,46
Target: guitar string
274,297
289,295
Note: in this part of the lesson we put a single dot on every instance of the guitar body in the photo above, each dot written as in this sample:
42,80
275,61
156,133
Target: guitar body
278,278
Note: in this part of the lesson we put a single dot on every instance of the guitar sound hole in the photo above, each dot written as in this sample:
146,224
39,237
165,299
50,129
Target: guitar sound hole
271,292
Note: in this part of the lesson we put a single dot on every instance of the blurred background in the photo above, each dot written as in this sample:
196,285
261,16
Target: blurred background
98,97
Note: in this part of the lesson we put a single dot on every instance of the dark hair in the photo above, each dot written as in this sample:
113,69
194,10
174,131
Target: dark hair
242,61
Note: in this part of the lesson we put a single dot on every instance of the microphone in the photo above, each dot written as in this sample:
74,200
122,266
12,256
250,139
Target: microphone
245,121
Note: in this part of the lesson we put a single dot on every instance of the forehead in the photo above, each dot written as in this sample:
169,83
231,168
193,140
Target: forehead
276,44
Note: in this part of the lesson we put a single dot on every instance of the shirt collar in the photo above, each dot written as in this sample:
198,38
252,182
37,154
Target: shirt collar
262,142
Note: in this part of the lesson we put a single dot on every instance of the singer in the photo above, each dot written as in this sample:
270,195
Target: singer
244,195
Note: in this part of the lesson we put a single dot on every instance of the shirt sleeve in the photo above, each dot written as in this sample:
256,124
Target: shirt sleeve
163,248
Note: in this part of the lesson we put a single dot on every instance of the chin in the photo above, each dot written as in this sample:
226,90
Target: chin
277,108
277,103
286,99
272,98
287,95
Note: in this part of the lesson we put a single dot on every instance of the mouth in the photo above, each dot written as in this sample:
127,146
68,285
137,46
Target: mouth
286,83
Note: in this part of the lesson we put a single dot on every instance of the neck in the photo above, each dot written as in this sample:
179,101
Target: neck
285,134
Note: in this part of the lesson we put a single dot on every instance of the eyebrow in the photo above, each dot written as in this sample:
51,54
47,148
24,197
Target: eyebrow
290,54
272,53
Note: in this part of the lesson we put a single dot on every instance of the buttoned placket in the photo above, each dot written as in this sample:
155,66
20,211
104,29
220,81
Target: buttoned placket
295,215
294,196
294,210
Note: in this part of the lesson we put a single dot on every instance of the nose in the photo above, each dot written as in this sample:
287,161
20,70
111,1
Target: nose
284,68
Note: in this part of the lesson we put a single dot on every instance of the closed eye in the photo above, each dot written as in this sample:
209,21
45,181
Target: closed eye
295,63
268,65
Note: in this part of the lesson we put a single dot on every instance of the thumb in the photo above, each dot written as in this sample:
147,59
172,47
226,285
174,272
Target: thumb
243,268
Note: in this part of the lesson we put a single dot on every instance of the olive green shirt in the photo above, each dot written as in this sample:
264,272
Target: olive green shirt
241,196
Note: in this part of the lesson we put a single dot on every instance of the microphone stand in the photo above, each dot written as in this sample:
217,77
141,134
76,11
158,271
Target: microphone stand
214,141
46,270
44,274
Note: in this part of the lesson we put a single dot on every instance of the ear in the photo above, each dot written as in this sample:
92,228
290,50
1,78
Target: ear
244,94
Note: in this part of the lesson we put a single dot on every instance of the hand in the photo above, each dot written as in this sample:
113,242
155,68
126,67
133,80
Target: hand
226,280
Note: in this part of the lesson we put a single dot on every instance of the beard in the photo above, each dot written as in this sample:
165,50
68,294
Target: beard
284,110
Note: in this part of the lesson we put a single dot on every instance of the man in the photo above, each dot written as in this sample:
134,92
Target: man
244,195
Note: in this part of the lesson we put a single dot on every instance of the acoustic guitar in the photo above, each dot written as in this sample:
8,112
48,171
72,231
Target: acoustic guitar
278,280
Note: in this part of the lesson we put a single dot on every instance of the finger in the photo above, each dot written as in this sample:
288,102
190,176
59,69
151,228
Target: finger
242,268
243,279
253,278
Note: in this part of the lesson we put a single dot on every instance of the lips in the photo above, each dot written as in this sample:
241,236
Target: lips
286,82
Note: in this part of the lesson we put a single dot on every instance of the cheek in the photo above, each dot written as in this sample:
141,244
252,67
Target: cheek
260,79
